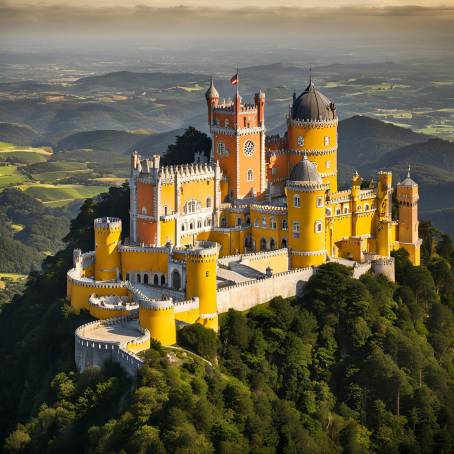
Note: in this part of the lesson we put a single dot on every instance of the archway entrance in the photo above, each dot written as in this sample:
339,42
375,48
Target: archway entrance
176,280
263,244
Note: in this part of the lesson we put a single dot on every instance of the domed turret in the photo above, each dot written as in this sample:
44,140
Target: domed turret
311,105
305,172
211,93
408,181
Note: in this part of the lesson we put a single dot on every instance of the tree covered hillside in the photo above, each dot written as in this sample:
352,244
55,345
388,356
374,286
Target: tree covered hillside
353,366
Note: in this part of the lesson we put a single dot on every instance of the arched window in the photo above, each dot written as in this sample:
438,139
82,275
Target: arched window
163,281
284,224
165,210
318,226
272,244
144,211
138,278
326,140
223,222
156,280
284,242
208,202
296,201
239,221
296,229
263,222
191,225
256,222
176,280
145,278
248,220
366,207
273,223
263,244
209,222
338,211
319,202
328,212
199,223
250,175
183,227
345,210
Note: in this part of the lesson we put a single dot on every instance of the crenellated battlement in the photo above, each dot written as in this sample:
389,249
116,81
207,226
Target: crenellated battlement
107,223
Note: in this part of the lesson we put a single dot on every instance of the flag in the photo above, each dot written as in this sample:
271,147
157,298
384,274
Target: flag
235,79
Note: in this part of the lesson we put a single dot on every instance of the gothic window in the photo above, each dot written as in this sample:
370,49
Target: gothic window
144,210
366,207
248,147
163,281
138,278
296,201
345,210
248,220
263,244
199,223
191,225
272,244
319,202
284,242
145,279
263,222
191,206
256,222
272,223
250,175
156,280
284,224
318,226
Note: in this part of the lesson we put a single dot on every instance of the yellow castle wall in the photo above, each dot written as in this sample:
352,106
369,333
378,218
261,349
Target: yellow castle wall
102,313
80,294
278,263
155,261
167,198
190,316
168,232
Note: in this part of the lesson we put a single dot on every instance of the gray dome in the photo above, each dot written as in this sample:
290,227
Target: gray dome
312,105
305,172
408,181
211,92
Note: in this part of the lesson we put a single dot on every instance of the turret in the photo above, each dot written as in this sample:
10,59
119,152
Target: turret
212,97
407,197
384,195
356,199
107,257
201,281
306,215
158,317
312,130
259,99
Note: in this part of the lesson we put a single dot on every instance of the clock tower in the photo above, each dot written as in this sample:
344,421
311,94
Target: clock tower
238,132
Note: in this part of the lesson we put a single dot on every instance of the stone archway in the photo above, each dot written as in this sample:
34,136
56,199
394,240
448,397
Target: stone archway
176,280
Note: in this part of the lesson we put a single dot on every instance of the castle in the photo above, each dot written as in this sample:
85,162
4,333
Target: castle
252,223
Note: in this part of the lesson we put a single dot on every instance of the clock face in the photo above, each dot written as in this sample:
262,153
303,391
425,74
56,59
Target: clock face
249,148
300,141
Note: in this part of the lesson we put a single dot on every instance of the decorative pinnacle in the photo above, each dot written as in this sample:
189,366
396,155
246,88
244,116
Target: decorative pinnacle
408,173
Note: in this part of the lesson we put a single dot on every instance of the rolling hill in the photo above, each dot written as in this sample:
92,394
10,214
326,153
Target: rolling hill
18,134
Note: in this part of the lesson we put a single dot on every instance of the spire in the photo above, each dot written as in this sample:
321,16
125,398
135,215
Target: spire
408,173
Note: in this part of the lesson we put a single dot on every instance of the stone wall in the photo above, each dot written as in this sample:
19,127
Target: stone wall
93,353
245,295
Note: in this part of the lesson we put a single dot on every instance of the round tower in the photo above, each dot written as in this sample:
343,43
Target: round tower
201,282
158,317
306,215
107,257
312,131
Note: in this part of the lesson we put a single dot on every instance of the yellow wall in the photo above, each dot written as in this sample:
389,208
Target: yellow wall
102,313
81,294
136,347
190,316
168,232
153,261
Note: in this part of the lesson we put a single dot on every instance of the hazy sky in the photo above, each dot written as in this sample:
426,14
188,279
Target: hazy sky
228,3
